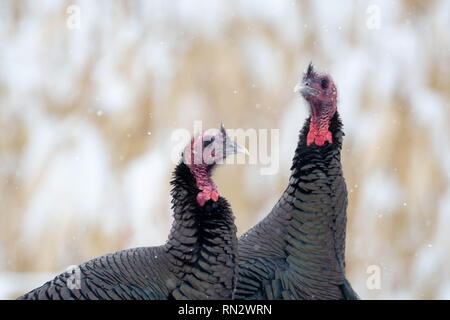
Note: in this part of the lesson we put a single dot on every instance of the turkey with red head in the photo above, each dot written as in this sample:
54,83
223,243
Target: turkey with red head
197,262
298,250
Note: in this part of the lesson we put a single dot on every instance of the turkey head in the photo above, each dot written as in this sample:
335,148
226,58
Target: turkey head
320,92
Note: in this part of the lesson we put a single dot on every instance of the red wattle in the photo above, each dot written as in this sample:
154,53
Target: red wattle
206,195
329,137
310,138
214,195
318,137
319,141
201,199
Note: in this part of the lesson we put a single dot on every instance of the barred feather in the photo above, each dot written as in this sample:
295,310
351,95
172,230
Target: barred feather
297,251
197,262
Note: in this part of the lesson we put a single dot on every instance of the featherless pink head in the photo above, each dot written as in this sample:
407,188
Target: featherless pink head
320,92
202,154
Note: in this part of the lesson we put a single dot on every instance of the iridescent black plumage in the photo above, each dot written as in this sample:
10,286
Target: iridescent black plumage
298,250
197,262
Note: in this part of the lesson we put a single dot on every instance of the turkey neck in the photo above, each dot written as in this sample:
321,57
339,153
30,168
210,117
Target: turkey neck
312,209
318,197
201,236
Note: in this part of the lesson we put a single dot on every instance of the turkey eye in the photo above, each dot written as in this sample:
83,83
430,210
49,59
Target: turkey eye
208,142
324,84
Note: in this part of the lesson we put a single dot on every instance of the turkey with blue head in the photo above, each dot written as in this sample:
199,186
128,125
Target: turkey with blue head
298,250
198,261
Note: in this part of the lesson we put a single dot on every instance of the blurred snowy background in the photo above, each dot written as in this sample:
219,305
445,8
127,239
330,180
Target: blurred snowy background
90,93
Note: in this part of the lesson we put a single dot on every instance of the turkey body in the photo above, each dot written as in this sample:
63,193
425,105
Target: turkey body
298,250
197,262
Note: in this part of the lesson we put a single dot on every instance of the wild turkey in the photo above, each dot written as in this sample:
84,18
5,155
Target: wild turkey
298,250
197,262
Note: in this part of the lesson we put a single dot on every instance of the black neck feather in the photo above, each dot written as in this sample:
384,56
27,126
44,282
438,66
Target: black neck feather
199,235
303,153
319,199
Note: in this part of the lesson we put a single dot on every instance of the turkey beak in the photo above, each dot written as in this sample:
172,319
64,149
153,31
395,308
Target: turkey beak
297,87
308,75
305,87
240,149
231,147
